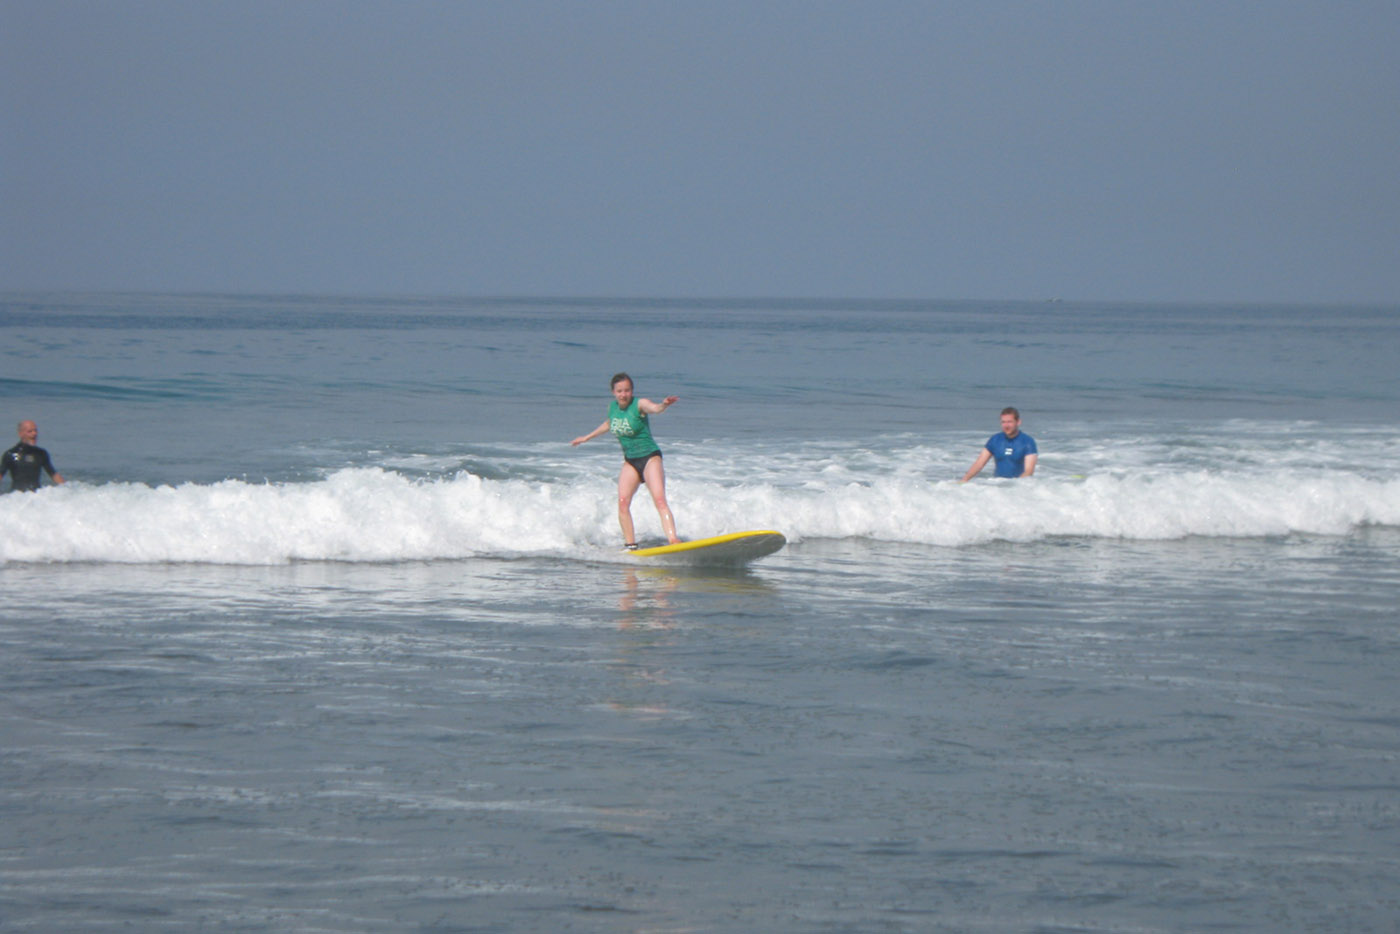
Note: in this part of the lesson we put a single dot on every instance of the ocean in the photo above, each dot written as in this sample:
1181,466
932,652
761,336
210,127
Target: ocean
329,629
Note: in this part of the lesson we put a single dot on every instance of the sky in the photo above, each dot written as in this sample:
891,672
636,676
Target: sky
1215,151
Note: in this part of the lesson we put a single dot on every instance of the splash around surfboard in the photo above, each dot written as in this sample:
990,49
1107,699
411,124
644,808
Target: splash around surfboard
733,548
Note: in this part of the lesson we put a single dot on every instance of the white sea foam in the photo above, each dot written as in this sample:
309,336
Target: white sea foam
377,515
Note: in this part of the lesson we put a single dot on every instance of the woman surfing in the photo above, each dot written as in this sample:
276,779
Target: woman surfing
641,458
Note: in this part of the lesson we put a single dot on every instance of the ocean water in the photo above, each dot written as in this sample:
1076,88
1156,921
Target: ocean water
328,630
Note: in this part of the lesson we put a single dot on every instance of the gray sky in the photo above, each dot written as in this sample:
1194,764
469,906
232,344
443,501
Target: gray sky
1128,150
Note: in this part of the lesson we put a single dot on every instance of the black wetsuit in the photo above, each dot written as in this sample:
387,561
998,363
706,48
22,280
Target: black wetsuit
23,463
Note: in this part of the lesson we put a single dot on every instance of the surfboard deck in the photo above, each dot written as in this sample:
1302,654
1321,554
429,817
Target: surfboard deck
733,548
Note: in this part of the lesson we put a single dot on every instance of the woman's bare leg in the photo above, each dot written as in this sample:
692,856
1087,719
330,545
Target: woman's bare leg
627,483
656,485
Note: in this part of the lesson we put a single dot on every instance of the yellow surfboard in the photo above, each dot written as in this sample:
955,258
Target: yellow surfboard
733,548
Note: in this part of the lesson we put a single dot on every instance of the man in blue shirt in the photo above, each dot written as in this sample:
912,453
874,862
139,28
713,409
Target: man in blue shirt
1014,450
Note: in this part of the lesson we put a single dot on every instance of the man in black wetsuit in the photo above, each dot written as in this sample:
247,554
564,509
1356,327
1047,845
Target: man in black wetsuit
24,461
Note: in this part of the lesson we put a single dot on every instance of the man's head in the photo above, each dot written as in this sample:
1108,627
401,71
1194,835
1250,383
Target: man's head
1010,422
28,432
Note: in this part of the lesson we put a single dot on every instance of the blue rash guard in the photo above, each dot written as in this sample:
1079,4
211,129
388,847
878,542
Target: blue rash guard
1011,453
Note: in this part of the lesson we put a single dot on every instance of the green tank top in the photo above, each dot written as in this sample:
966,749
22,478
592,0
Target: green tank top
630,427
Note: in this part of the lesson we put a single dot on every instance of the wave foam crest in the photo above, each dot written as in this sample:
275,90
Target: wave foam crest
376,515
